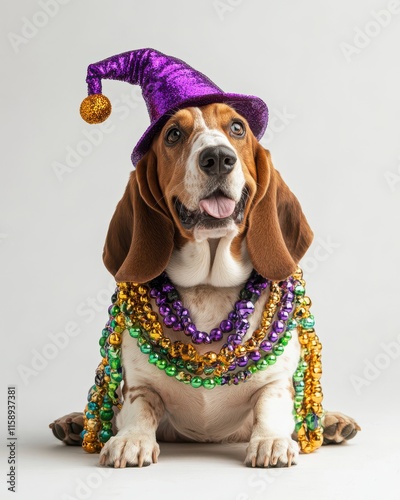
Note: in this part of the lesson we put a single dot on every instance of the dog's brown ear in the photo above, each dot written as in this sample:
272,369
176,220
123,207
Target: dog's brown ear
278,234
140,237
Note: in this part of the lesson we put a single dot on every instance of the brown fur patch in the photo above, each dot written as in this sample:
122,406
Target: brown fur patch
236,247
132,397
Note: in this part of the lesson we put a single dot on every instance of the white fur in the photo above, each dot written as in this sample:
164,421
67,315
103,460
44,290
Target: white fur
208,262
259,411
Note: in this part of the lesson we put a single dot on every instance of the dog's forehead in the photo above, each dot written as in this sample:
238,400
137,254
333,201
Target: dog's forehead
212,116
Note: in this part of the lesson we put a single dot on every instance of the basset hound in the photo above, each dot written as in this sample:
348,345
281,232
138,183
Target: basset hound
206,205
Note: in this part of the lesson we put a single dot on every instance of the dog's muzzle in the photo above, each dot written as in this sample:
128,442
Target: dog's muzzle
217,208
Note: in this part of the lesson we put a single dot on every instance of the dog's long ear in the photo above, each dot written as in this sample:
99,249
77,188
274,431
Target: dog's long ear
139,241
278,234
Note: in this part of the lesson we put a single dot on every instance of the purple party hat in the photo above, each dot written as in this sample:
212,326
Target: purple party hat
168,84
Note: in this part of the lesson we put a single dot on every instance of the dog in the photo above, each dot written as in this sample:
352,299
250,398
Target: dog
206,205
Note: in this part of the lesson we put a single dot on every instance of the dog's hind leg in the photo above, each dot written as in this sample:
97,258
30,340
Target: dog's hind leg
68,428
339,428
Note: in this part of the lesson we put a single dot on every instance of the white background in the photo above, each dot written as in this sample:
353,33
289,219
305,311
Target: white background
329,72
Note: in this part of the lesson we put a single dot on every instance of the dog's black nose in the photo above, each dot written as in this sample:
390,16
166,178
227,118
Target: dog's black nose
217,160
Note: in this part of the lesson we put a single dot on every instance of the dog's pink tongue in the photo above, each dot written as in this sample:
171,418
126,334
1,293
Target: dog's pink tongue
218,206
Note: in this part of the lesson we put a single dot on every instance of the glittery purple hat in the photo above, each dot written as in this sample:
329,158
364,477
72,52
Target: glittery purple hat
168,84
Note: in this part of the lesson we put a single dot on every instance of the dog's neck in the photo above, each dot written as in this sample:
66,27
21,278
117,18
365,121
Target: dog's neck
210,262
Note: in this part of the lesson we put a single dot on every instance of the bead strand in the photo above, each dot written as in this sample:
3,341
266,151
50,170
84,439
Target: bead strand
308,410
97,425
176,316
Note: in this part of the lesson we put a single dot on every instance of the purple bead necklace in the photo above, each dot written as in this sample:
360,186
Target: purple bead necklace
177,317
277,328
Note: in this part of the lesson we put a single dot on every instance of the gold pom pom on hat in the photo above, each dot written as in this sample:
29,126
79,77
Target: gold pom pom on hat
95,108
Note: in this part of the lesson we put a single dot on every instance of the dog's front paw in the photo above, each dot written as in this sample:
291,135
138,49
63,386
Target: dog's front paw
130,450
271,452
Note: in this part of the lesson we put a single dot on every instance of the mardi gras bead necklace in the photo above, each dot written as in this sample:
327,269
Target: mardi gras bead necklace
178,318
131,310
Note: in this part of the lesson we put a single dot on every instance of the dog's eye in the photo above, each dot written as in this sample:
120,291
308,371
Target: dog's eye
237,129
172,136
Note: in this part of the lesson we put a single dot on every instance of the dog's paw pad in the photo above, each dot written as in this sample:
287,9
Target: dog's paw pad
272,452
130,450
68,428
339,428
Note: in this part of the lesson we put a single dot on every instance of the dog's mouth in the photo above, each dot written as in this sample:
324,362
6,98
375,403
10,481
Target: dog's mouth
216,210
